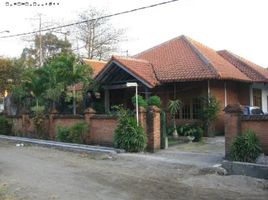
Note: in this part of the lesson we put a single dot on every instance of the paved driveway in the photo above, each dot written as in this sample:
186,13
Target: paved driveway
207,153
30,173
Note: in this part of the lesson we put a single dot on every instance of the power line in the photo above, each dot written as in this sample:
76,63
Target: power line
86,21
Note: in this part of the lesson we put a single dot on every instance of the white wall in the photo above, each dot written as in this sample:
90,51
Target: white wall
264,88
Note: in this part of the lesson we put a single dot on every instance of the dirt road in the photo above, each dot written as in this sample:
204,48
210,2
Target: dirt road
30,173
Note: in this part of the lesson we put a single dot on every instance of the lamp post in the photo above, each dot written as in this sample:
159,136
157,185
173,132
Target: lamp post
134,84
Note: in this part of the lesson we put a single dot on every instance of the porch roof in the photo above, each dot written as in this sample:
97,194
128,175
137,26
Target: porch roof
137,68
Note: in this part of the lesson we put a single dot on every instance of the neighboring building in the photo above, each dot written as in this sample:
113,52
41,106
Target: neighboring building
258,92
97,65
180,68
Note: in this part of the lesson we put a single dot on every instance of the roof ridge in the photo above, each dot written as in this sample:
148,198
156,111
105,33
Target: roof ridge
94,60
131,58
117,59
202,57
154,47
240,59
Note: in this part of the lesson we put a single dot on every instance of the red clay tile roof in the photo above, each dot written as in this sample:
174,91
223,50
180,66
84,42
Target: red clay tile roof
183,59
96,65
141,68
253,71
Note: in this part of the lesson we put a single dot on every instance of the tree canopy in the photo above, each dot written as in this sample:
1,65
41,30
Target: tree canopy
49,83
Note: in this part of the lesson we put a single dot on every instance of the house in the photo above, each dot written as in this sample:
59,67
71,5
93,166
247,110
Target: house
186,69
258,92
97,65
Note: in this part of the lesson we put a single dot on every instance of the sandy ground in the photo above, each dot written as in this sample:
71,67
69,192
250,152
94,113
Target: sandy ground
30,173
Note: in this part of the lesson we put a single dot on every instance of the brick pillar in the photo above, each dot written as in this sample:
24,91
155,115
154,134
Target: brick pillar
153,128
142,118
88,113
232,125
52,128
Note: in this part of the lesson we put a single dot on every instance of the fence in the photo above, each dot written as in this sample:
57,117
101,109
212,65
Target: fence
101,127
236,123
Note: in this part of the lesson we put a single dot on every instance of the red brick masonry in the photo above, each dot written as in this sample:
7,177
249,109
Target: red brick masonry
101,127
236,124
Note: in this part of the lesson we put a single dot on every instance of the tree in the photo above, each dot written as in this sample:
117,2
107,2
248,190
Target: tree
34,83
174,106
209,112
10,74
51,45
98,36
66,70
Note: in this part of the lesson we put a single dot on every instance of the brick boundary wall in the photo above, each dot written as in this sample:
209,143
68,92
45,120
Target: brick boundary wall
101,127
236,123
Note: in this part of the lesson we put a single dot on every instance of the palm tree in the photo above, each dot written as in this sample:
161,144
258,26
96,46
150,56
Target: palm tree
70,71
55,88
34,83
174,106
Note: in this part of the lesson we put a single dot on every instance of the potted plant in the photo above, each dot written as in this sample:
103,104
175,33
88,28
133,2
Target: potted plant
174,106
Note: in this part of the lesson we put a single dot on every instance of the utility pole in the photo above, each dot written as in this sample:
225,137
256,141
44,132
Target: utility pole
40,41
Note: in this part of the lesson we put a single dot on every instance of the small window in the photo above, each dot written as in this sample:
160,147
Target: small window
186,111
257,99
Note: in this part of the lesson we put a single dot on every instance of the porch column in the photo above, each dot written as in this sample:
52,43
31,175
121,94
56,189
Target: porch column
107,100
250,95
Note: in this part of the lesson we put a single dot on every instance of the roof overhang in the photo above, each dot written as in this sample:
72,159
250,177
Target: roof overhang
104,72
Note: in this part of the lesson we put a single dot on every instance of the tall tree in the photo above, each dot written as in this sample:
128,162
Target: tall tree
98,36
50,44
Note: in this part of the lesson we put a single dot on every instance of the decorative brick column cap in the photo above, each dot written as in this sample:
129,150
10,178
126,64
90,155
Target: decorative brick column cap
233,108
154,108
89,111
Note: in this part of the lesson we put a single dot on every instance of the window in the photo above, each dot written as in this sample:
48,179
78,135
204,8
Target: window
190,109
257,97
186,111
196,108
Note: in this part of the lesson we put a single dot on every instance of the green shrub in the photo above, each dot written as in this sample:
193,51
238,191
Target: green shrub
63,134
141,101
209,113
154,101
129,135
163,129
73,134
5,126
39,122
78,132
246,147
191,130
170,130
